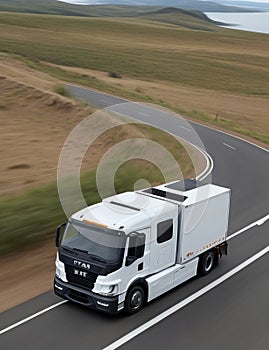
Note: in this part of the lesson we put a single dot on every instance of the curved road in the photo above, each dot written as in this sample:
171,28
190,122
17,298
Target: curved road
231,308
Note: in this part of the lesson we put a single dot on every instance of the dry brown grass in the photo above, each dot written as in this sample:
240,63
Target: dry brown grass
21,73
34,125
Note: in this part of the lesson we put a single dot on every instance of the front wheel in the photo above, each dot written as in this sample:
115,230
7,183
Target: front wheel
207,262
135,300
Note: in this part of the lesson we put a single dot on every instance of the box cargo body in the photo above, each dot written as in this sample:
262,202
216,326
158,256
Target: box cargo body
204,221
203,216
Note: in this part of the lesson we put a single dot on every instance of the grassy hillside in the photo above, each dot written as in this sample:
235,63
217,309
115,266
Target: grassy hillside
217,60
195,20
61,8
167,56
164,14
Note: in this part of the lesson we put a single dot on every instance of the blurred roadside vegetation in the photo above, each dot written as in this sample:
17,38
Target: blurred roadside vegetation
33,215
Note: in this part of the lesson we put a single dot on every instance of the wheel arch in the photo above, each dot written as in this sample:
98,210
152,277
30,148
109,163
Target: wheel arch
140,282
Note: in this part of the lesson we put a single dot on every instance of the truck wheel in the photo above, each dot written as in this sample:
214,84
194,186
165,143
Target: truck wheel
135,300
207,262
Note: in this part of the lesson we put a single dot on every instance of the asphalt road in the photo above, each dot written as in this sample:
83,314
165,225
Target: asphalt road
233,315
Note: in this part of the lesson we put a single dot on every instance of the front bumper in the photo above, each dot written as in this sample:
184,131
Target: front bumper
85,297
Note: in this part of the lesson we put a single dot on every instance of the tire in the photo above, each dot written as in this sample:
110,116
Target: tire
135,300
207,262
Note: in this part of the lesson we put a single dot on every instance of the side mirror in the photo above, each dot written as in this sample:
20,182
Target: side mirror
130,260
140,245
59,231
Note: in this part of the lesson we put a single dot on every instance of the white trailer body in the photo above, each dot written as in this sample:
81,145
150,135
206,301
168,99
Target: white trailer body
159,238
204,221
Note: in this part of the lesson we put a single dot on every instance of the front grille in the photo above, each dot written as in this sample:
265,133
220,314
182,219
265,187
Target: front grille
79,281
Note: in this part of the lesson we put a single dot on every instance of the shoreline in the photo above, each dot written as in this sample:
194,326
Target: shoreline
255,21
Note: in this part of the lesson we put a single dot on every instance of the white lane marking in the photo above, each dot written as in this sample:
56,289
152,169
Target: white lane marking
263,220
185,302
31,317
226,144
256,223
209,165
230,135
183,127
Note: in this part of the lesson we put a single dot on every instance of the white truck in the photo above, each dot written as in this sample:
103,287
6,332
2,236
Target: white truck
135,246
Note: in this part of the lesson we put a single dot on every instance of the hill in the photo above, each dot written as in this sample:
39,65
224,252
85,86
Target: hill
204,6
110,9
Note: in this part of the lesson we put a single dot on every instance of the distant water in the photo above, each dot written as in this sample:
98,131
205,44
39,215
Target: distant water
253,22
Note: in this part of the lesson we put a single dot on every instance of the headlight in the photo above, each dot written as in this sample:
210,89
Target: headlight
109,290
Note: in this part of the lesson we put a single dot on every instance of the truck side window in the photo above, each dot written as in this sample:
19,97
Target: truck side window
137,245
164,231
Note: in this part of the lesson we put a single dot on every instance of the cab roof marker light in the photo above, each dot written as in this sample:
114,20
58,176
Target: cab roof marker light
95,223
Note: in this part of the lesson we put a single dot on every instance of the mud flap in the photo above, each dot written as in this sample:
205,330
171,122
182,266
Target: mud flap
222,249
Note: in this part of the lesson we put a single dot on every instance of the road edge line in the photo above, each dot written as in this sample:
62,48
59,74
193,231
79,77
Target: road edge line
9,328
115,345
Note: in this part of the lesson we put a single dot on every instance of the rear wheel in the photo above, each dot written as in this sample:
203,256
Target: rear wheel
135,299
207,262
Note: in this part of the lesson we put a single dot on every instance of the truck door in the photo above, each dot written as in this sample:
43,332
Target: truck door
137,260
164,238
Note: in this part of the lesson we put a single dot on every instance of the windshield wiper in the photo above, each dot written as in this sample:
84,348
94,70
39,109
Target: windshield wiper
81,250
70,250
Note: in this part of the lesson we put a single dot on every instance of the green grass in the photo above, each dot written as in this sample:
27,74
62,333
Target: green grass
33,216
61,90
148,50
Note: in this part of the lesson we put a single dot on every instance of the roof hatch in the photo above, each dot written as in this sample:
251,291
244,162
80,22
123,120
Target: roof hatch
163,194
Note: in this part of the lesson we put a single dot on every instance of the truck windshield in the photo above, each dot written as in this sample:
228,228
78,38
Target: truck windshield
99,244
